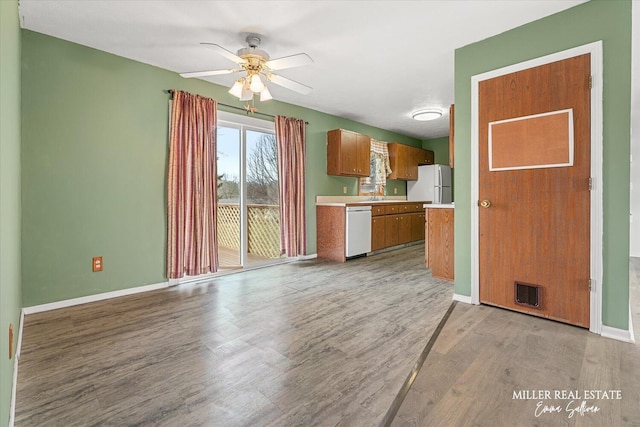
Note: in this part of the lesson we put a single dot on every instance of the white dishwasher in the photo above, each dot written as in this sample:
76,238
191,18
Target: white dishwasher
358,230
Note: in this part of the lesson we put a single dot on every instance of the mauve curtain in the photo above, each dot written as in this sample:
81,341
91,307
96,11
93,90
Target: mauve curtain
191,186
290,136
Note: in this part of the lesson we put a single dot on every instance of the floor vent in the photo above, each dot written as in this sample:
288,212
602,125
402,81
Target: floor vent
527,294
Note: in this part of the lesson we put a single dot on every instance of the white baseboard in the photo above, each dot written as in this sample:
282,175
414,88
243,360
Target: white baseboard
306,257
462,298
16,359
93,298
617,334
631,334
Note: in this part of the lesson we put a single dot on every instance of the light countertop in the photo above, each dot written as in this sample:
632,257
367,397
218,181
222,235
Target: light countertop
439,206
361,200
365,202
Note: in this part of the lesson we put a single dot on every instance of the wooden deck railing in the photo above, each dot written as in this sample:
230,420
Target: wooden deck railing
263,222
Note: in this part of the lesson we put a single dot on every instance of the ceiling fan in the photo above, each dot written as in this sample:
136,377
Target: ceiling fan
256,62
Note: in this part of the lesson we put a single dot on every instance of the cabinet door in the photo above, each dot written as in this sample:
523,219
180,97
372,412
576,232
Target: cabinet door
391,227
424,157
393,159
348,153
404,229
363,155
377,233
410,163
404,163
417,227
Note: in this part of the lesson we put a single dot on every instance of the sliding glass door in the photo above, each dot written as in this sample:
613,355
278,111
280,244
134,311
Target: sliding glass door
248,215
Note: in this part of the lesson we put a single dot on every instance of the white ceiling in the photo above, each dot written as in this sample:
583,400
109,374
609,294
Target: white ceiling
374,61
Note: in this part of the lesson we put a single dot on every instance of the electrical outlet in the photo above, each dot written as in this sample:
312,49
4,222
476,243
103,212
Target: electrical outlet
97,263
395,191
344,190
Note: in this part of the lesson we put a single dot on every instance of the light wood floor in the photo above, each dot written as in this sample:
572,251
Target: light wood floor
484,354
229,258
299,344
315,343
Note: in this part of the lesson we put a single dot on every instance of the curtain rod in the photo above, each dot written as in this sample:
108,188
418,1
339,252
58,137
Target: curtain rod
170,92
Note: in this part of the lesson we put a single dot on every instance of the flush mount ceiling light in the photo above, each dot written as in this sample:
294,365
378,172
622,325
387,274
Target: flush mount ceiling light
425,115
256,62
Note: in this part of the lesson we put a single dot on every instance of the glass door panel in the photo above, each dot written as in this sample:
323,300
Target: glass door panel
248,213
229,197
262,203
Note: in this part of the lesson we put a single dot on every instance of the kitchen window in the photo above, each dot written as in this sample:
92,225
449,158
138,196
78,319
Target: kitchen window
375,183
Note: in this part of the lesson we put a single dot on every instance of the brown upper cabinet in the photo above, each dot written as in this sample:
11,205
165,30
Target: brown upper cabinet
424,157
405,160
348,153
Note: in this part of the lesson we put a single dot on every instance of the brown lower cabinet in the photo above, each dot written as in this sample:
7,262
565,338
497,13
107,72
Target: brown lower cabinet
439,242
392,224
397,224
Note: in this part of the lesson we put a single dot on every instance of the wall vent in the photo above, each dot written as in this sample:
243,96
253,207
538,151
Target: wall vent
527,294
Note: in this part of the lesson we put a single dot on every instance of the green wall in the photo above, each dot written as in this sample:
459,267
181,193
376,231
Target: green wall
440,148
10,286
609,21
94,149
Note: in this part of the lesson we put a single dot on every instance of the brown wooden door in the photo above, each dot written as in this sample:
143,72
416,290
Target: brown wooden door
536,230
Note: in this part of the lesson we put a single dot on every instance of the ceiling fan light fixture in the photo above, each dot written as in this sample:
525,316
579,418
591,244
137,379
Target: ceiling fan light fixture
253,62
265,95
425,115
236,89
256,84
247,94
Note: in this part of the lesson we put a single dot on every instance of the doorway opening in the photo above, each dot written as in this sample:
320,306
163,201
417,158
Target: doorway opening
248,212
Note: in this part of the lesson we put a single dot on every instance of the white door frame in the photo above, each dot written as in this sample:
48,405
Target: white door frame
596,262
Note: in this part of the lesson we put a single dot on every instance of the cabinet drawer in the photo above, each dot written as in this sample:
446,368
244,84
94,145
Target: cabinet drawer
412,207
377,210
392,209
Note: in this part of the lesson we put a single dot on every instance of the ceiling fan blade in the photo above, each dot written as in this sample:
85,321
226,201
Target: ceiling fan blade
226,53
289,84
296,60
207,73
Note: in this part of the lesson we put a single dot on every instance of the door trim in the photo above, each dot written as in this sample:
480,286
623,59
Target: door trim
596,262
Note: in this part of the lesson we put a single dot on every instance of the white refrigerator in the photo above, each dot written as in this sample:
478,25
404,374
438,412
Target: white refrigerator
433,185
